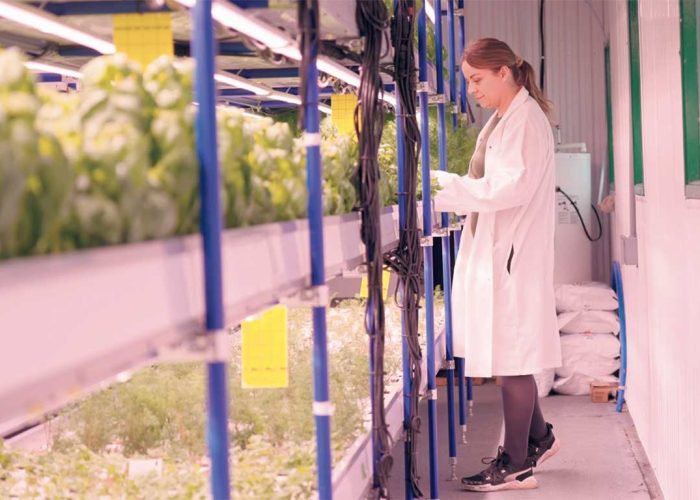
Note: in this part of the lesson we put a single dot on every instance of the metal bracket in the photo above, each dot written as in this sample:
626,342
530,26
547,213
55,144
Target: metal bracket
441,232
211,347
423,87
323,408
456,226
455,109
459,12
312,139
453,468
426,241
449,364
464,434
437,99
432,394
356,272
314,296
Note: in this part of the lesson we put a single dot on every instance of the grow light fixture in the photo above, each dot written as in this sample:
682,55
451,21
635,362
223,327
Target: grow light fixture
323,108
49,24
281,96
242,83
50,68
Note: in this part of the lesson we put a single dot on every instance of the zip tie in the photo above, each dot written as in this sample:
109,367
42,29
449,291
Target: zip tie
423,87
432,394
312,139
323,409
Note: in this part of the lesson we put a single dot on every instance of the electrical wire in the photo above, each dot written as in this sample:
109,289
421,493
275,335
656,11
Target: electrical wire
372,20
407,259
542,44
583,224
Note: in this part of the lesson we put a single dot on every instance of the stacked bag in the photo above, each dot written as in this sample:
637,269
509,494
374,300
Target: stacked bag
589,327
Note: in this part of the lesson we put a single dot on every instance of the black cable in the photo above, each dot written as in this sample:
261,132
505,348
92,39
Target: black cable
542,44
583,224
308,21
372,19
407,259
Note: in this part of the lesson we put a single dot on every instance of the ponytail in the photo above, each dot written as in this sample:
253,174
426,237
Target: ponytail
493,54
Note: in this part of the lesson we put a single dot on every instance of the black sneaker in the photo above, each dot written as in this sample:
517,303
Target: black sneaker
501,475
539,451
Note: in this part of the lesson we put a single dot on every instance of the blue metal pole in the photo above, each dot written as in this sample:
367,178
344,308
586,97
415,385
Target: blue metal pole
445,239
460,367
617,285
428,251
318,276
451,60
462,43
211,223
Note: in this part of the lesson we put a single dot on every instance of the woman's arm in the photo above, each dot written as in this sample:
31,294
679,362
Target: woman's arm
509,183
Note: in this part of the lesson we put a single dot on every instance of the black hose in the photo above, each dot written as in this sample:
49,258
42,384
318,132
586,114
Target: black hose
372,20
407,259
583,224
542,44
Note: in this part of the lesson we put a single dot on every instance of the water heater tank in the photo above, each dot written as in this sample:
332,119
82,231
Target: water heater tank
573,252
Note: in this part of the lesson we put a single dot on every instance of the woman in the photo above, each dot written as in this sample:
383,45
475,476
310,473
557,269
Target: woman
503,293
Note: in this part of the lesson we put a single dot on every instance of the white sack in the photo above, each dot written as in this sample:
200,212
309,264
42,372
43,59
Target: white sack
545,382
594,355
579,384
589,322
585,297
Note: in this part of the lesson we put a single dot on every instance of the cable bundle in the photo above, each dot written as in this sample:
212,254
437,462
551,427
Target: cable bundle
407,259
372,20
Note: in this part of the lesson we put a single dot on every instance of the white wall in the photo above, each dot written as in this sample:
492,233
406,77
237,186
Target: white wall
663,291
574,71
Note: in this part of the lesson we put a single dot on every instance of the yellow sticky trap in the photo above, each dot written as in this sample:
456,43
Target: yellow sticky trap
343,112
144,37
364,288
264,356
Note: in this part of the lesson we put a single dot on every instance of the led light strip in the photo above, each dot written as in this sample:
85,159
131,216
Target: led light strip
50,68
49,24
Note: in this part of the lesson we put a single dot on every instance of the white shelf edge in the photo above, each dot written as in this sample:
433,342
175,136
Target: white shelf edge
75,321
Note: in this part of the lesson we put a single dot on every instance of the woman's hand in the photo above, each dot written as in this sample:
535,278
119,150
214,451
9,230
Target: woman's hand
442,178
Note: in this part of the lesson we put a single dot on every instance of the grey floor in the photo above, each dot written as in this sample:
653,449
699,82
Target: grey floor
601,457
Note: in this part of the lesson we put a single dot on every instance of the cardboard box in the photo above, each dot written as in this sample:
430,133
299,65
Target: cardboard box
602,392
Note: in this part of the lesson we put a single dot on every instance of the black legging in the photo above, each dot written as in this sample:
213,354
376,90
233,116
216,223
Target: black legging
522,415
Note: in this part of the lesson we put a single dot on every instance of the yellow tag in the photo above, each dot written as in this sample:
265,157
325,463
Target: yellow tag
364,289
144,37
343,112
264,357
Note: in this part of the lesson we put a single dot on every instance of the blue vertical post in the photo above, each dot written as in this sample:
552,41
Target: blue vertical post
445,240
451,60
460,367
428,250
462,43
617,285
463,109
314,179
210,227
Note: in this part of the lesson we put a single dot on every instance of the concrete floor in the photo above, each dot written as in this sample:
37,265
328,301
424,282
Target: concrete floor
601,457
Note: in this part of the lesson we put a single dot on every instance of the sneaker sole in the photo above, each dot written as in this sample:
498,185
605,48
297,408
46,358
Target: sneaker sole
527,484
550,452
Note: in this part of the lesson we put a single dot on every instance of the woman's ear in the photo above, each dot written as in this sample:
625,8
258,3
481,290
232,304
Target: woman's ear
503,72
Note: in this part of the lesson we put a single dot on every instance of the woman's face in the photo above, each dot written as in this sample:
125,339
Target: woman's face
488,87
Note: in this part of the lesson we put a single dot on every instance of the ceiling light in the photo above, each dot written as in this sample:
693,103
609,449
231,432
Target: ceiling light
46,23
50,68
242,83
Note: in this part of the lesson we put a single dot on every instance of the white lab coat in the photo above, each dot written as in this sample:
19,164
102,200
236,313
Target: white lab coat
504,321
